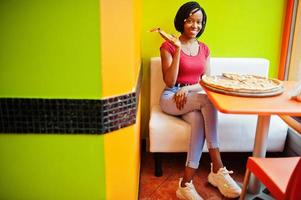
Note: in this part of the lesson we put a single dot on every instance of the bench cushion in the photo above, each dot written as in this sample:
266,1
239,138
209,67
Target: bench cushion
236,133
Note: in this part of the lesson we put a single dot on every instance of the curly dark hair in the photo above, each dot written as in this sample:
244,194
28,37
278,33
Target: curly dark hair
184,12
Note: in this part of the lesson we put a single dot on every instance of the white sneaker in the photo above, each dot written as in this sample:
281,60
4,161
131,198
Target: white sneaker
224,182
188,192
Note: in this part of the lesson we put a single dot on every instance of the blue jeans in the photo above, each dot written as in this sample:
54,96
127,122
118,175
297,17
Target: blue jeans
202,117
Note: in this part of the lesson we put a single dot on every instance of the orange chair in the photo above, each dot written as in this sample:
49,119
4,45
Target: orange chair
281,176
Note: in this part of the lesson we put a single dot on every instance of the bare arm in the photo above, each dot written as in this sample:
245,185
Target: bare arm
207,69
170,66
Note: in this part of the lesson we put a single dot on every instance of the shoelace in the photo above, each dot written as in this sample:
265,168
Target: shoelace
225,171
190,186
230,181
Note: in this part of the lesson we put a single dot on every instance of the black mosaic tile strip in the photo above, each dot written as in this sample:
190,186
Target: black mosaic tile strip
19,115
118,112
69,116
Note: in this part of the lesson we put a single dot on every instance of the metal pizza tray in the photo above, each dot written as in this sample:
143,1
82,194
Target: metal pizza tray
269,93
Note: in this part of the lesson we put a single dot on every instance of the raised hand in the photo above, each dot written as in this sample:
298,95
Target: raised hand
171,38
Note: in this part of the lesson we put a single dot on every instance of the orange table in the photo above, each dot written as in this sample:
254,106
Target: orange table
264,107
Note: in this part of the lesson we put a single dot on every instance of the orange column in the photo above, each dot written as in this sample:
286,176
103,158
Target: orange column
117,46
285,38
120,61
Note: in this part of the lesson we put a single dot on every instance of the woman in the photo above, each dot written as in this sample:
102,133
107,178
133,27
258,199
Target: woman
184,61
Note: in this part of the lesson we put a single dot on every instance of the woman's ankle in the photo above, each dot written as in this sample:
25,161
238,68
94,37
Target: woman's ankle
188,175
216,166
215,159
185,180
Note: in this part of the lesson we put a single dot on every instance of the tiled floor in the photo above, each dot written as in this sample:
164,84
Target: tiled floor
164,188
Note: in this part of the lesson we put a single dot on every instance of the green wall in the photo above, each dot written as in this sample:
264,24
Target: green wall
48,167
50,49
235,28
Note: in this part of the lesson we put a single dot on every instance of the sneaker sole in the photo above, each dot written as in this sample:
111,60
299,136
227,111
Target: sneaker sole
211,181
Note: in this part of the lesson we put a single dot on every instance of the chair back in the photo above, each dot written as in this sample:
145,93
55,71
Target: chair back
293,190
252,66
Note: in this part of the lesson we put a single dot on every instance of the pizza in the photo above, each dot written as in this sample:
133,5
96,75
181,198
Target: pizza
248,85
165,35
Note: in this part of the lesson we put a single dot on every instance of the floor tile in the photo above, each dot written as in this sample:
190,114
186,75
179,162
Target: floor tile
164,188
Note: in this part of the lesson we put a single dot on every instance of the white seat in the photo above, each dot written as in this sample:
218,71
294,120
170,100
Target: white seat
236,132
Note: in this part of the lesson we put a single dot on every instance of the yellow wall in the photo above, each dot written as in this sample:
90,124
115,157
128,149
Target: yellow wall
122,163
120,61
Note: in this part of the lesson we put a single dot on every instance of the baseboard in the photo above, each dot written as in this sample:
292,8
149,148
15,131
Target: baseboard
144,145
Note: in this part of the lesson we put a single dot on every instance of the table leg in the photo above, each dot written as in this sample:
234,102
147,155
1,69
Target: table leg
260,147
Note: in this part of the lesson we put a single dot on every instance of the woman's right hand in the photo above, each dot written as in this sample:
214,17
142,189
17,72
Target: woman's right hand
171,38
175,41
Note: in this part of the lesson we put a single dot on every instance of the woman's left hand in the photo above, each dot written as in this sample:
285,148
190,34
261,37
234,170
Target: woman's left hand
180,98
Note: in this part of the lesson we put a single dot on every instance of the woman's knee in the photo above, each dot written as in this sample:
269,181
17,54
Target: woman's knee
202,99
193,117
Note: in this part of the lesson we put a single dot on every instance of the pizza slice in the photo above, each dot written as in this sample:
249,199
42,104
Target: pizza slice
165,35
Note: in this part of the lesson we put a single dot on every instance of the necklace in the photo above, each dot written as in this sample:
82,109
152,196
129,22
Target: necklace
190,49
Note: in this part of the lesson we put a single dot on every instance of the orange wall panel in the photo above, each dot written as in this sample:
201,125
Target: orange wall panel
120,63
117,46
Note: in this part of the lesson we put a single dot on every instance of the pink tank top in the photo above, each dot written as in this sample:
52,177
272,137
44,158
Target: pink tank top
191,68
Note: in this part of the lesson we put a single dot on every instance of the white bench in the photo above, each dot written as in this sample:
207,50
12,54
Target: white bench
236,132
